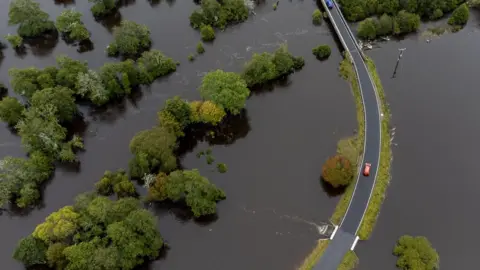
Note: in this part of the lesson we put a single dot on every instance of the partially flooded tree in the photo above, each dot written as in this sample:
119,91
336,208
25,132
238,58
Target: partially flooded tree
154,64
416,253
15,40
11,110
89,85
130,39
31,19
69,22
337,171
59,97
103,7
219,14
68,70
115,182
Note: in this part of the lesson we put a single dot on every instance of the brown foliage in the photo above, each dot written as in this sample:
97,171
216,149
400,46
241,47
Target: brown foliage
337,171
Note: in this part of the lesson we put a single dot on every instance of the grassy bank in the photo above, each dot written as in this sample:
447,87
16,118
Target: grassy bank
315,255
383,173
350,261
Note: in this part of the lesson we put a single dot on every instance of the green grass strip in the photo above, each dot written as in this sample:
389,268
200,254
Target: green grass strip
315,255
350,261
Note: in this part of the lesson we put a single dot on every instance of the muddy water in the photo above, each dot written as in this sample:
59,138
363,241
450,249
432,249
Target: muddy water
435,189
274,155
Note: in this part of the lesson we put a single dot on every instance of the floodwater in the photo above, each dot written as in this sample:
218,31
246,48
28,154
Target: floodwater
274,151
435,189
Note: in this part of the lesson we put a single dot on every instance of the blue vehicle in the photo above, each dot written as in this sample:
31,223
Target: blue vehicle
329,3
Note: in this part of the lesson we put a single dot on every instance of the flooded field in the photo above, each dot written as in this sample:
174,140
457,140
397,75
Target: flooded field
274,155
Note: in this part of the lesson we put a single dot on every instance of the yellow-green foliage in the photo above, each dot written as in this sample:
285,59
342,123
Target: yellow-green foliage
350,261
206,112
315,255
57,225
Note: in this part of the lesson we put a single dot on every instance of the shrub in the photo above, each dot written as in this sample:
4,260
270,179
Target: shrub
219,15
191,57
322,51
406,23
69,23
130,39
103,7
317,17
338,171
226,89
367,29
222,167
14,40
11,110
437,14
460,15
31,19
207,32
416,253
384,25
154,64
200,48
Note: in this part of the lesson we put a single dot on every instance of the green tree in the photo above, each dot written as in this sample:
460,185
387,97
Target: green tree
207,32
130,39
388,6
103,7
406,23
337,171
59,97
15,40
55,257
460,15
68,71
317,17
117,182
384,26
226,89
189,186
179,109
31,19
219,14
29,80
283,61
30,251
259,70
28,195
416,253
69,22
322,51
11,110
140,165
154,64
367,29
58,226
206,112
158,144
200,48
119,78
90,85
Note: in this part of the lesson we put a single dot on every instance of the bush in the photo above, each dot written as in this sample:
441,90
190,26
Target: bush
117,182
191,57
460,15
406,23
31,19
103,7
206,112
14,40
69,23
11,110
384,25
416,253
322,51
207,32
367,29
200,48
222,167
338,171
219,15
317,17
154,64
130,39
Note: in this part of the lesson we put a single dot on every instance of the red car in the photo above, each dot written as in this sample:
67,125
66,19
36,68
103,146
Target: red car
366,170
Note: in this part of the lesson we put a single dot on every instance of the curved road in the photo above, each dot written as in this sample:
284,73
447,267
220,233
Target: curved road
345,236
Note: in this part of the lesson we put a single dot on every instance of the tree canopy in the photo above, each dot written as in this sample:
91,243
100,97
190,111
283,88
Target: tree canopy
460,15
226,89
103,7
11,110
416,253
130,39
69,22
337,171
322,51
219,14
31,19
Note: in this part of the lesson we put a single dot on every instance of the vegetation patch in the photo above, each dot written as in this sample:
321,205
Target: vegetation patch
130,39
350,261
317,17
31,20
416,253
315,255
69,23
459,16
219,14
401,24
322,52
383,171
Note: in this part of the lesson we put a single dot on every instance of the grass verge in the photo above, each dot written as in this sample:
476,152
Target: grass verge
315,255
383,173
350,261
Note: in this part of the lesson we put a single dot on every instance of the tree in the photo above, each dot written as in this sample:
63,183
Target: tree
206,112
322,51
119,78
15,40
416,253
388,6
11,110
337,171
198,193
179,109
406,22
69,22
207,32
117,182
90,85
460,15
317,17
55,257
130,39
31,19
29,80
219,14
200,48
283,61
158,144
103,7
59,97
140,165
30,251
58,226
384,25
154,64
367,29
68,71
226,89
259,70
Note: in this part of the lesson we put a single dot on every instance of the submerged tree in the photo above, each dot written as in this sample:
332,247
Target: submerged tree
416,253
131,38
31,19
11,110
69,22
226,89
103,7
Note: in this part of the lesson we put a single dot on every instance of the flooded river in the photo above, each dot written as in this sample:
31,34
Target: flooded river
274,155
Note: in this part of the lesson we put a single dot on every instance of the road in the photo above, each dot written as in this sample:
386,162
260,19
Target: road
345,236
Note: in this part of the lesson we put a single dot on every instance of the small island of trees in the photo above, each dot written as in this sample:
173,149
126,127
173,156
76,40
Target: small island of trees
416,253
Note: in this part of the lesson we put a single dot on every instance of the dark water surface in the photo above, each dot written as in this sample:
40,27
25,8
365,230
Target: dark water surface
274,196
435,189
